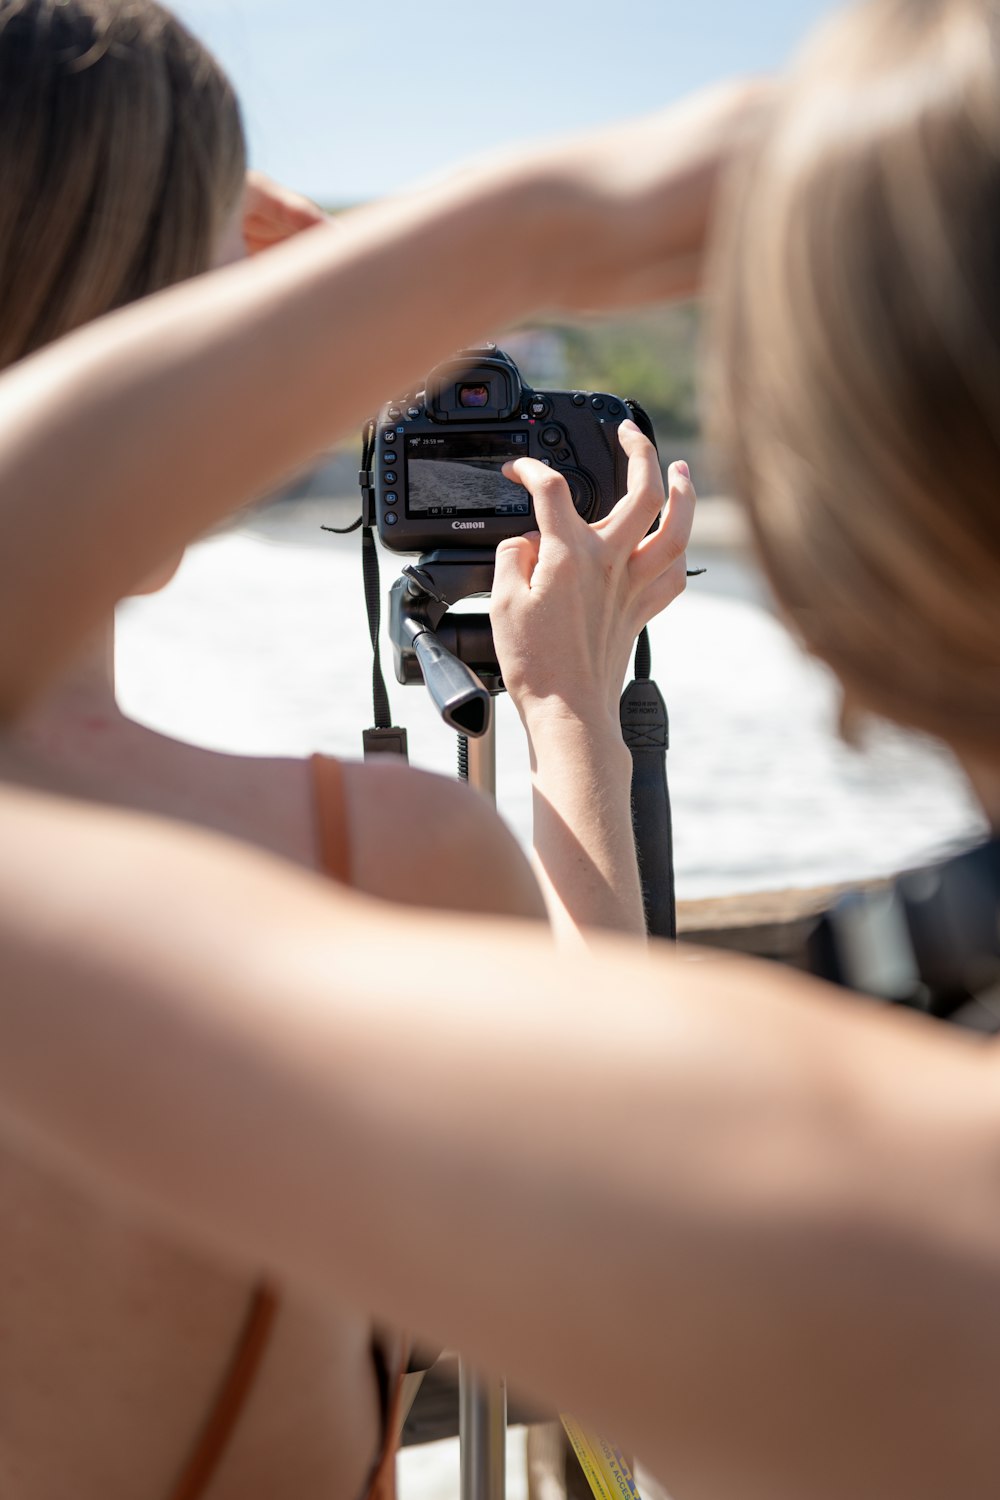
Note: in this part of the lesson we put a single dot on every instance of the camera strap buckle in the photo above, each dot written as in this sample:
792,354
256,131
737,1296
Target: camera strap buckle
391,741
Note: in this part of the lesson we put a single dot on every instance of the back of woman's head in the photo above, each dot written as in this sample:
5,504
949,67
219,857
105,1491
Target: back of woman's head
121,160
856,358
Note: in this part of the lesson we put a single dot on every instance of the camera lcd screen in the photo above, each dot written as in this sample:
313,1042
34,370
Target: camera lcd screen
458,474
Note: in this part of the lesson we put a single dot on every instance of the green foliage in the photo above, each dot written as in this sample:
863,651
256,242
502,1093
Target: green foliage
650,357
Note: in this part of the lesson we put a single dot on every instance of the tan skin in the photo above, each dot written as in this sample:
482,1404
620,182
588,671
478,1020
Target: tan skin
117,1335
782,1204
111,1319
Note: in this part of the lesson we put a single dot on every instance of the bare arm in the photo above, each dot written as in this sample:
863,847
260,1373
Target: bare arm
122,442
750,1228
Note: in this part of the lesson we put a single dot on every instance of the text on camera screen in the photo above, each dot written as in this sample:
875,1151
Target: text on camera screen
458,474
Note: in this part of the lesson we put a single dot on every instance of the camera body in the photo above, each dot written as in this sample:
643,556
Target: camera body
436,467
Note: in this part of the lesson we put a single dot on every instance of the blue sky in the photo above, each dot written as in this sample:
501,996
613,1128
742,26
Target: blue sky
348,100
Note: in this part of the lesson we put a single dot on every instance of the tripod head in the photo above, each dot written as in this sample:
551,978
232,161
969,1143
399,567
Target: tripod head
452,654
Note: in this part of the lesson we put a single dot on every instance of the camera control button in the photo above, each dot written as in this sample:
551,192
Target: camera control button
389,457
388,434
597,403
391,498
552,436
564,455
391,518
389,476
394,413
614,409
539,408
413,411
579,399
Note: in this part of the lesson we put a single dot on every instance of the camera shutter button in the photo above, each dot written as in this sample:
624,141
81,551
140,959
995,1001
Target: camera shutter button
552,437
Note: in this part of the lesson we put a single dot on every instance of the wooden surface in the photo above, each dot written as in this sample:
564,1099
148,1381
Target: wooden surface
767,924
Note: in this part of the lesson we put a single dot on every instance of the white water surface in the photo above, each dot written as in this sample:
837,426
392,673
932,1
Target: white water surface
260,645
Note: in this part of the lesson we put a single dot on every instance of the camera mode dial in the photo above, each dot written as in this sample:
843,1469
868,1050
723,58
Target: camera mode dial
582,490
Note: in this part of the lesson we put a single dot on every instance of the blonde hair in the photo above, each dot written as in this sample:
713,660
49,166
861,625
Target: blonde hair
121,160
855,358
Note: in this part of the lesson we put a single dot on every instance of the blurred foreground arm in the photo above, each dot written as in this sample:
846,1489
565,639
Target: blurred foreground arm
750,1227
127,439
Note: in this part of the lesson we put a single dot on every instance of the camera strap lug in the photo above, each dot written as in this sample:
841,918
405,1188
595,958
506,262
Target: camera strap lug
367,497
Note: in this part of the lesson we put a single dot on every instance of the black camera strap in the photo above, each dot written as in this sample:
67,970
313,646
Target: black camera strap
646,732
384,738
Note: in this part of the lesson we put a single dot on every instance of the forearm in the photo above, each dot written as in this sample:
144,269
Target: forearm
584,845
715,1200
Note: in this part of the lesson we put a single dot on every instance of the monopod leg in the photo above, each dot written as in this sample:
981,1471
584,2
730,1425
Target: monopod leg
482,1403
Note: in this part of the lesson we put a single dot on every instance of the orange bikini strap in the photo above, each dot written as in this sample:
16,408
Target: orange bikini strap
237,1383
331,818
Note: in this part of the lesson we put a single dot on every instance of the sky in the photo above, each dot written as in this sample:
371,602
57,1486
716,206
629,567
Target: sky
346,100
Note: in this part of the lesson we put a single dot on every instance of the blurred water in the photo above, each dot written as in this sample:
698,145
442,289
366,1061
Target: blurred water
260,645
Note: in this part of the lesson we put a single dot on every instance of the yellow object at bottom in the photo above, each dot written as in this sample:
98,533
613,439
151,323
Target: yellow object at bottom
604,1466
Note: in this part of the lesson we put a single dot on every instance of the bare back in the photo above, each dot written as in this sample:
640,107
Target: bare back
113,1343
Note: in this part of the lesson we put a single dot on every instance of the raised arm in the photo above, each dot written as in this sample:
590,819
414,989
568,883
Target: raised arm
124,441
751,1228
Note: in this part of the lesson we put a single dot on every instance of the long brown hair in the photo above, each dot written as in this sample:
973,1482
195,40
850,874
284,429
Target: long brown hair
855,358
121,159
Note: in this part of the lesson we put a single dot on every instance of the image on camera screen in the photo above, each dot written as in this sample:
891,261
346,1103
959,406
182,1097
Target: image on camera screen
458,474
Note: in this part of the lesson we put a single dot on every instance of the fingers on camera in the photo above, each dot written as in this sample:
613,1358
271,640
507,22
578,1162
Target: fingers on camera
681,503
643,501
553,503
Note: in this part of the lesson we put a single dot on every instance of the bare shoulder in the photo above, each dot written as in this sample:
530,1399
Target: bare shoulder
423,840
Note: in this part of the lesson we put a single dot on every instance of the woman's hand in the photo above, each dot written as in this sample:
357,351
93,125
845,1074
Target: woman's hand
570,599
568,603
273,213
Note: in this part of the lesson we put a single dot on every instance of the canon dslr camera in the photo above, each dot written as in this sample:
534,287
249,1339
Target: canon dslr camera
438,455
